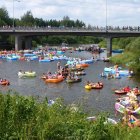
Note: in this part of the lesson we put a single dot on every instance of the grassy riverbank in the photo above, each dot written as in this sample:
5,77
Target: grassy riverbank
128,59
26,118
131,56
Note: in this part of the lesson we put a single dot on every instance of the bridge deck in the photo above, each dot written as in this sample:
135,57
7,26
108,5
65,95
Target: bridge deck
69,31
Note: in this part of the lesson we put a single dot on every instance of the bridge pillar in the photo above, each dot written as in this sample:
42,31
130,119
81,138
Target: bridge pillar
18,43
28,43
109,46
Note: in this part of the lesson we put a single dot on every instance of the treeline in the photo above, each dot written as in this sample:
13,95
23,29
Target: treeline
28,20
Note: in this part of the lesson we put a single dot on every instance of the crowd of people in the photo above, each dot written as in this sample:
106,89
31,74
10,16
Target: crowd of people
64,71
117,28
92,84
132,107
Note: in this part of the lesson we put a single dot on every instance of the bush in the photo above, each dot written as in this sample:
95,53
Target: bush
23,117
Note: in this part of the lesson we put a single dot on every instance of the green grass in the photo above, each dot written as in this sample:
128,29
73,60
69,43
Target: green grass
129,60
26,118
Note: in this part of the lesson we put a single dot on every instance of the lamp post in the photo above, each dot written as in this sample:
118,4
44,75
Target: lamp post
106,16
14,13
13,16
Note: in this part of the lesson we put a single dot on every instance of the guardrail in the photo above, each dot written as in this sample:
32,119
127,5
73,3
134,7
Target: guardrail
55,29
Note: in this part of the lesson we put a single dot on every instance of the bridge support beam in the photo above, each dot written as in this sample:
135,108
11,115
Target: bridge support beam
18,43
109,46
28,42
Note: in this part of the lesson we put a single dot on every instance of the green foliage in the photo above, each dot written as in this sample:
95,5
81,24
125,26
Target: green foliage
4,17
102,43
27,118
27,19
134,45
121,43
131,55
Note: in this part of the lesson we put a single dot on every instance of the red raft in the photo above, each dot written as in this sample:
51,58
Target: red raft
5,82
120,92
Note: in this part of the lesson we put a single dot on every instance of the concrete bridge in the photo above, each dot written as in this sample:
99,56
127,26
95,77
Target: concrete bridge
28,33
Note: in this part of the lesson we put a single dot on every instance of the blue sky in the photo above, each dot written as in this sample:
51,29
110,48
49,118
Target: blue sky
93,12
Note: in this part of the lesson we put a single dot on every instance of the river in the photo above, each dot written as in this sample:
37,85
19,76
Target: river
95,100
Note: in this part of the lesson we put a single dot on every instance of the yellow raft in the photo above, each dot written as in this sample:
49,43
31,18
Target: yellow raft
88,87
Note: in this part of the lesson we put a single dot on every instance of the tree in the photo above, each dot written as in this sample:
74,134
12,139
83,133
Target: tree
4,17
79,23
39,22
66,18
65,21
27,19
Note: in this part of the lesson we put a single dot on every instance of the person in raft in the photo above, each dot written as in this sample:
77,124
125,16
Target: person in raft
136,90
58,66
131,120
127,89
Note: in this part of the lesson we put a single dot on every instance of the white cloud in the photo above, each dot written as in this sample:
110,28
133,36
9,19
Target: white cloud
119,12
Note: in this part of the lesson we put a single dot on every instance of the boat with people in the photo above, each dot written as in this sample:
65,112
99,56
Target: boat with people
25,74
120,92
76,69
4,82
91,85
119,70
129,104
124,90
84,65
109,75
123,109
74,80
54,79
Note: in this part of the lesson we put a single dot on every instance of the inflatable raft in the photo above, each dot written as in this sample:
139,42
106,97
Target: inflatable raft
55,80
74,80
26,74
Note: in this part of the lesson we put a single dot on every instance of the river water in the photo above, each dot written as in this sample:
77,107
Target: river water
95,100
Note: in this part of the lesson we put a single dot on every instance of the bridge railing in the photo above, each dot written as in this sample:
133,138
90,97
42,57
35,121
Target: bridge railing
49,28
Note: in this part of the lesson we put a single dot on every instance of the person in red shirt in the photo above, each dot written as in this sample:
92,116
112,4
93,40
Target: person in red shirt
127,89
